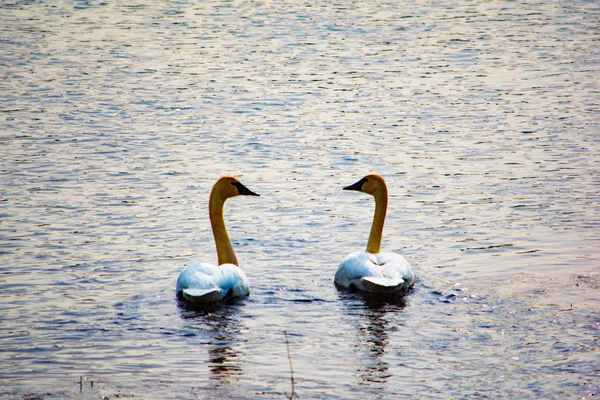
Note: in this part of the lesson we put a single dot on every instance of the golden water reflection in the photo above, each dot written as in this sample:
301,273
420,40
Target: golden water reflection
221,330
373,316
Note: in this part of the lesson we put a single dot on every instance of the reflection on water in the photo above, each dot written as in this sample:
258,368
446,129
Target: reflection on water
117,118
222,330
371,313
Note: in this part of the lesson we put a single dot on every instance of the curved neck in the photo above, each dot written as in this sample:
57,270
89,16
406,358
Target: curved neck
225,251
381,200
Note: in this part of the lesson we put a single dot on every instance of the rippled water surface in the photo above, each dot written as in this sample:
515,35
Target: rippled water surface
118,117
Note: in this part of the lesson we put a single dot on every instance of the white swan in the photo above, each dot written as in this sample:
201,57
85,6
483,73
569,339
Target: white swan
372,271
207,283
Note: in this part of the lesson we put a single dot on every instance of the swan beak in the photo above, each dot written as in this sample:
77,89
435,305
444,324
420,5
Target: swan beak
243,190
357,186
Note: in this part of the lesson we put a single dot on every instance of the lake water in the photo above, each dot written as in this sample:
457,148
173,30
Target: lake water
117,118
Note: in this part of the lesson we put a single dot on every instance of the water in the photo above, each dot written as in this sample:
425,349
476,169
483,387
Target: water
118,117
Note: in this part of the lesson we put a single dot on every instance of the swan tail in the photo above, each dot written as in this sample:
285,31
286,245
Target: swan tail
382,285
202,296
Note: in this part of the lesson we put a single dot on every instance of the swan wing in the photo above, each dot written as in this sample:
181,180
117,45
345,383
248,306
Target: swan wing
374,284
207,283
376,273
201,296
234,280
354,267
394,266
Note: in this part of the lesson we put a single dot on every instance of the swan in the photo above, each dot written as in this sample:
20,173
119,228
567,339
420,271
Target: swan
202,282
372,271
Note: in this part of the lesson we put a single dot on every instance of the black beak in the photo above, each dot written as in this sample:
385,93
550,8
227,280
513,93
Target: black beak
357,186
243,190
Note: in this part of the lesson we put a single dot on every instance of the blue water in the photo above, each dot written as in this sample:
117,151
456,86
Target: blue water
117,118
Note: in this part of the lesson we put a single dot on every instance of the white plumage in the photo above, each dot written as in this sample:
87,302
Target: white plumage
382,272
371,270
207,283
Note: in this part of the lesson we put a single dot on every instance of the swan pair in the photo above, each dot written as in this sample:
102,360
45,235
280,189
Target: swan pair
368,271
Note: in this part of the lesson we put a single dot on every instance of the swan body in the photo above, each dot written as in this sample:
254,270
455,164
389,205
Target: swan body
207,283
382,272
371,270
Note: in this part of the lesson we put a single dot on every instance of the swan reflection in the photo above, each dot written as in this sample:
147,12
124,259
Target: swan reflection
374,317
220,328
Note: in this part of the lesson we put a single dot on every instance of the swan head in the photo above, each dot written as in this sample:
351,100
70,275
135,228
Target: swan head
370,184
229,186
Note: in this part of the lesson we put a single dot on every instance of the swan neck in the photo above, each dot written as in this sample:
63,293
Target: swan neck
225,252
381,200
